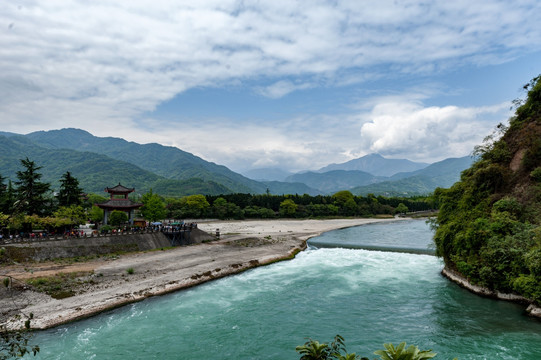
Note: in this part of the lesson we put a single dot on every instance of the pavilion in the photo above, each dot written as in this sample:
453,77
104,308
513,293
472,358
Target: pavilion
119,201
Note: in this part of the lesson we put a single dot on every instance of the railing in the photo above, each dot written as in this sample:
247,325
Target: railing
38,237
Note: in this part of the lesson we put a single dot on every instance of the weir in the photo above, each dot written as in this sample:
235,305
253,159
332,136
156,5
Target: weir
407,250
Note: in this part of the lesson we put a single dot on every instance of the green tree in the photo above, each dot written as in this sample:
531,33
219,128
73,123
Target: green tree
219,207
401,208
74,213
153,208
194,206
70,192
173,208
226,210
346,203
342,197
31,192
288,208
10,197
96,214
117,218
3,194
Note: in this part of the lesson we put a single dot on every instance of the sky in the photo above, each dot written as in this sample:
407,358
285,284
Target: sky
254,84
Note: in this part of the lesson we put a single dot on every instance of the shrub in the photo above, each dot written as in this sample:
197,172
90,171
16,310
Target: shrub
536,174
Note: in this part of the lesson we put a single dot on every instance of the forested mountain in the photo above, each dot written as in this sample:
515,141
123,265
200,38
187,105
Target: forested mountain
98,162
489,224
440,174
166,161
94,171
168,170
333,181
376,164
267,174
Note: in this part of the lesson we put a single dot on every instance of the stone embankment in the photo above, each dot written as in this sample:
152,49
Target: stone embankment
51,248
454,276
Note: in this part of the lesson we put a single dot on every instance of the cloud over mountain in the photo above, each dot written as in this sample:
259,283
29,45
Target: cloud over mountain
109,66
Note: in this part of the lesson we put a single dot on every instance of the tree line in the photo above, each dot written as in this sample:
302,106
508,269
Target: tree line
29,203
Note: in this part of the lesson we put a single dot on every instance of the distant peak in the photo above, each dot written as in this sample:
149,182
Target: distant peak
374,155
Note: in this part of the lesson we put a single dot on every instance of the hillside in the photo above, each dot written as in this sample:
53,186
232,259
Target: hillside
376,164
440,174
166,161
489,224
333,181
94,171
281,188
171,171
267,174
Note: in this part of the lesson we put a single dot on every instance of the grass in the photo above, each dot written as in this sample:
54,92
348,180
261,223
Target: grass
61,285
130,271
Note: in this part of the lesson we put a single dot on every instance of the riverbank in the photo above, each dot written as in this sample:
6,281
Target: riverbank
532,309
109,282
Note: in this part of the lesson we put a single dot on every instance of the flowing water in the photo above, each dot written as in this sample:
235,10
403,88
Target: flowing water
368,297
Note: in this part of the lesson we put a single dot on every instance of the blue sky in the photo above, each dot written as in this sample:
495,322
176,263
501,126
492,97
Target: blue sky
290,84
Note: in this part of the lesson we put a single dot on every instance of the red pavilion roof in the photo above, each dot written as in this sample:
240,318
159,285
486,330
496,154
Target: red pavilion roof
119,189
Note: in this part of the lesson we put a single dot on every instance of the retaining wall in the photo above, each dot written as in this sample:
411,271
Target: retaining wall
87,246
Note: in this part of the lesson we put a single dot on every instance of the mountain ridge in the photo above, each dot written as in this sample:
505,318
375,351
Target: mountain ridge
377,165
171,170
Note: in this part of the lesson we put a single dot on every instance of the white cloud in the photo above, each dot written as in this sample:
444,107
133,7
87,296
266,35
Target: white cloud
104,65
281,88
408,129
294,144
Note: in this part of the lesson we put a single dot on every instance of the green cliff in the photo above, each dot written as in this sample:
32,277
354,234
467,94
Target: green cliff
489,225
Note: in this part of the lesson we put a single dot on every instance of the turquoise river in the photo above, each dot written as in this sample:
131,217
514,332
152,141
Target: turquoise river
369,297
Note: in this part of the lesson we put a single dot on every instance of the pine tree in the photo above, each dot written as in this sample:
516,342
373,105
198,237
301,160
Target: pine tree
3,195
70,192
31,191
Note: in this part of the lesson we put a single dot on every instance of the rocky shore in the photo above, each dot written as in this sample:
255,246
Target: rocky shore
532,309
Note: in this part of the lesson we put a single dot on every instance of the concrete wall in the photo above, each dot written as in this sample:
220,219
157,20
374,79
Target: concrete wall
54,249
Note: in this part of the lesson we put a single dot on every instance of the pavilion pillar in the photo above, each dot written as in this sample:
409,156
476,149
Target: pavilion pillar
105,216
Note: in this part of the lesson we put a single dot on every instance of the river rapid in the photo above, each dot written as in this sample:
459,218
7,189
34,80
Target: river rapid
369,297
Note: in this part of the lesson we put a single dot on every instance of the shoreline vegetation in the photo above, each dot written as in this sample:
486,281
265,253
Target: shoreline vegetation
488,229
106,283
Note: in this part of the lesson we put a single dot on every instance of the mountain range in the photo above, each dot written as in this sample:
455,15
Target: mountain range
376,164
99,162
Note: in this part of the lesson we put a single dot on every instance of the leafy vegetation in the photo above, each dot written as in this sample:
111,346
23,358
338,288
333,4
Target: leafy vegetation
31,192
153,208
61,285
343,203
15,344
336,350
489,224
117,218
